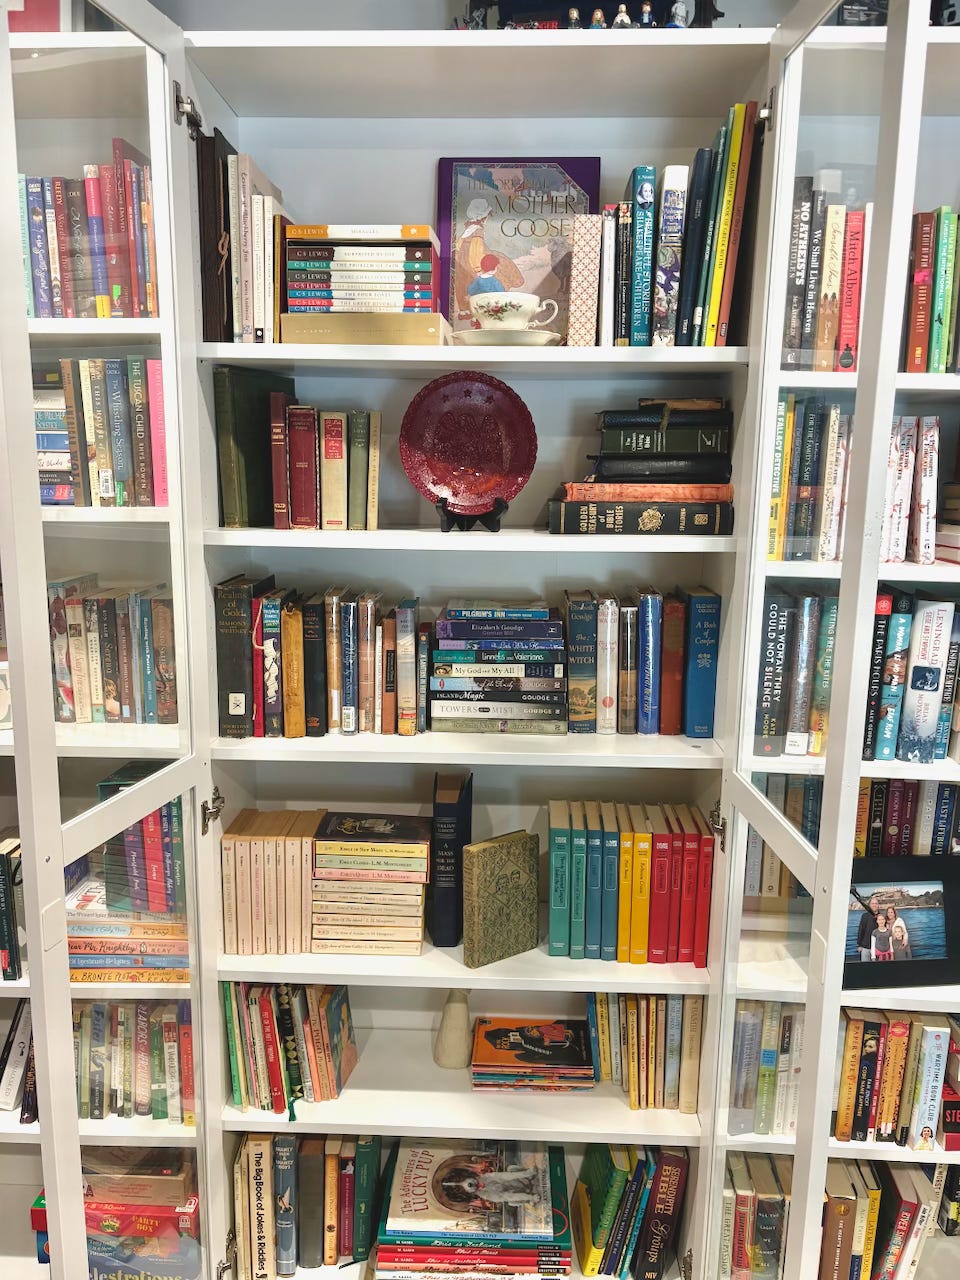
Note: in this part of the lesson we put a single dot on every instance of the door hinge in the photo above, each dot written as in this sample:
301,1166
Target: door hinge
211,810
719,826
186,109
230,1251
766,112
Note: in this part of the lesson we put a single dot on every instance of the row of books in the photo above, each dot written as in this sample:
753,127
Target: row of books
355,268
112,652
88,243
304,1202
662,468
630,882
798,797
930,328
100,433
808,487
626,1209
795,673
765,1068
13,932
826,266
897,1076
287,1042
18,1075
649,1046
134,1059
878,1218
755,1215
909,530
898,817
289,465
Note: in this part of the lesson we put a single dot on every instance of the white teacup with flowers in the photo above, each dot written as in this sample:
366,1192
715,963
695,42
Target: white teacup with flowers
511,310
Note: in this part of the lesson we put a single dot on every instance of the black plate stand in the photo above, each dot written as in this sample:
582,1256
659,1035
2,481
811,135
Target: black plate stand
455,520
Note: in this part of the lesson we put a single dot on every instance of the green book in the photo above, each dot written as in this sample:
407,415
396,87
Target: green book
500,900
949,290
578,880
710,239
559,920
358,458
767,1074
937,312
158,1075
226,991
606,1168
241,403
366,1176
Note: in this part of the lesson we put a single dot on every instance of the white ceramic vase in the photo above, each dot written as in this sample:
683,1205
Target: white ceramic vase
452,1046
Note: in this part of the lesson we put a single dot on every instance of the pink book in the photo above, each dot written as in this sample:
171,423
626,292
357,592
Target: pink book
158,432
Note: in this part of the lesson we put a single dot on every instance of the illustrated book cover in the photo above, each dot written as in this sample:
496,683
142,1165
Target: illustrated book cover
507,225
500,907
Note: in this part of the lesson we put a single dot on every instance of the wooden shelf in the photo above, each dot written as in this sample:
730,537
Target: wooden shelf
513,541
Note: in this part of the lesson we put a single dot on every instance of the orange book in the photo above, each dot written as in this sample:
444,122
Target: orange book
627,492
671,665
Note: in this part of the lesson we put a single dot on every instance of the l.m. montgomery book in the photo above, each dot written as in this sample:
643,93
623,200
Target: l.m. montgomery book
507,224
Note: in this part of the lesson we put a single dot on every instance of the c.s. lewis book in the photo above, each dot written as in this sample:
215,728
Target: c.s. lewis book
507,224
497,1190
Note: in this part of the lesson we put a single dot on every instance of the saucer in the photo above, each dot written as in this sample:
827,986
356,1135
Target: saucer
507,337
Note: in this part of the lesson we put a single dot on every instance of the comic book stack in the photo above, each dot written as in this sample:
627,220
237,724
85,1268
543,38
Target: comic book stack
531,1056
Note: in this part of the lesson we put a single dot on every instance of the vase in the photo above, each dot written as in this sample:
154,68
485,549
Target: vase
453,1044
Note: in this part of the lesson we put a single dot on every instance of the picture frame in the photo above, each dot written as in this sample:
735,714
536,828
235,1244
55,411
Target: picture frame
931,922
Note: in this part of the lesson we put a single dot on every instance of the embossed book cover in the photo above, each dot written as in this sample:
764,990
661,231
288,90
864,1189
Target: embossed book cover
500,906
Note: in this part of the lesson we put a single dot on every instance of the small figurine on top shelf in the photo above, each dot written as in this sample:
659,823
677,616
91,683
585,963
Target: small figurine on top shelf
646,15
573,19
598,22
679,17
705,12
623,18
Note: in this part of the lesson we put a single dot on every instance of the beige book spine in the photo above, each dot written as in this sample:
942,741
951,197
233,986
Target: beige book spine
384,907
373,947
632,1072
262,1225
244,887
331,1201
360,933
643,1035
229,893
270,904
690,1054
652,1030
321,1087
306,888
331,615
90,439
624,1045
241,1212
293,913
333,470
373,472
79,666
257,895
661,1050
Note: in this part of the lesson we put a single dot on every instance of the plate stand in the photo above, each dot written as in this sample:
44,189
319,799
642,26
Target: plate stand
457,520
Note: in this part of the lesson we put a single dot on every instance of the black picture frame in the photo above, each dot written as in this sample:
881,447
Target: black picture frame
859,975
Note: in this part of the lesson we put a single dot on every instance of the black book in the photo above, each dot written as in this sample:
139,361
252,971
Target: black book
828,191
9,942
217,294
698,210
241,401
738,326
878,650
648,518
232,602
660,414
314,667
29,1113
452,829
682,468
310,1168
622,311
804,663
774,677
877,816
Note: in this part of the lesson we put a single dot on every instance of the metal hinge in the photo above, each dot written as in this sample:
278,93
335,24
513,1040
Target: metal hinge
766,112
211,810
719,826
231,1255
186,109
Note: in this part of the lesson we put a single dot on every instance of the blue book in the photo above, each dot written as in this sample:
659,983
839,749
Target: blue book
578,880
593,930
943,818
651,1169
25,243
641,192
698,214
945,717
594,1034
610,890
649,641
285,1199
39,257
558,930
53,441
493,609
147,672
98,1035
121,442
166,851
894,675
349,664
53,250
700,661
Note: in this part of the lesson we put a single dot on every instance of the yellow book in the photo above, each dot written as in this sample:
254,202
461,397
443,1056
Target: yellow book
331,1200
590,1256
780,480
640,906
847,1099
603,1035
863,819
873,1215
643,1035
651,1051
633,1053
624,902
724,224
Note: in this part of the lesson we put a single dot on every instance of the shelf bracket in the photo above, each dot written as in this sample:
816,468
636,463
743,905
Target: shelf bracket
211,810
230,1250
186,109
766,113
719,825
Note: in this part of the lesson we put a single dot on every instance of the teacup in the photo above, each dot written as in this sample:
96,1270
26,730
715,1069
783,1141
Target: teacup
511,310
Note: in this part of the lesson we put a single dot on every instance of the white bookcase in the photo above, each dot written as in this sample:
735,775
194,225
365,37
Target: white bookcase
350,125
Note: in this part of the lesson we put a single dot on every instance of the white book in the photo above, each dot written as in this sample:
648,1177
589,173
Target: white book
921,543
937,1184
727,1214
923,688
233,206
934,1046
378,680
249,181
257,267
674,1041
407,619
613,1020
796,1060
306,886
831,488
11,1084
293,906
271,209
86,399
779,1125
926,815
228,892
889,492
608,619
79,666
903,488
608,276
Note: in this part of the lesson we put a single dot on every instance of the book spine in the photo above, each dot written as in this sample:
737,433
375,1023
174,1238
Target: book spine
851,282
406,668
358,434
25,244
581,617
881,627
53,249
584,280
98,257
831,282
921,292
332,428
921,545
929,645
814,270
39,258
622,272
649,645
673,211
644,184
607,666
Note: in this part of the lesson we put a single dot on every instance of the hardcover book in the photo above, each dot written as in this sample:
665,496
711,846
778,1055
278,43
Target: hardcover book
507,224
500,906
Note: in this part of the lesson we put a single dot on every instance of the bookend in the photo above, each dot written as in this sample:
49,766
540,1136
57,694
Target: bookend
456,520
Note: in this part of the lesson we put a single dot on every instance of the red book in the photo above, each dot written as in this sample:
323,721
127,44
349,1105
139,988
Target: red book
877,1077
304,455
851,283
908,817
256,630
271,1047
158,432
153,856
348,1160
187,1091
128,218
114,243
279,401
921,291
62,219
899,1206
671,665
689,876
736,222
701,924
676,883
661,855
36,15
948,1134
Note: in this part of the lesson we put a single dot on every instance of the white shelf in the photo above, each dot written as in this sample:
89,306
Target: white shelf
140,1131
574,750
80,522
439,967
130,990
943,571
772,969
15,989
92,333
810,570
413,362
810,380
508,540
366,74
774,1143
396,1088
109,741
938,771
934,385
910,999
784,764
11,1130
6,742
889,1151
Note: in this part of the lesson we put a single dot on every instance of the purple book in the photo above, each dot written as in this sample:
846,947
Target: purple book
507,226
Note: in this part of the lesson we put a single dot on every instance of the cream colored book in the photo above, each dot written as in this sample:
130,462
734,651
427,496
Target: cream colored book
394,329
243,827
228,881
584,280
241,1212
258,888
79,665
263,1248
690,1054
333,470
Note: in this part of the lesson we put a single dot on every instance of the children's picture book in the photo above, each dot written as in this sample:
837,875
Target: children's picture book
516,1045
335,1007
506,225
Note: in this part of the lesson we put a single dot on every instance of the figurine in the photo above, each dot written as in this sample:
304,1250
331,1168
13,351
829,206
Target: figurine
678,15
573,20
623,18
705,12
453,1046
597,22
646,15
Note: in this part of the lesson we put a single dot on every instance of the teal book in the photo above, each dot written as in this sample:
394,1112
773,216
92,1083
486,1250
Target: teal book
701,655
610,884
650,1170
641,192
558,924
894,674
578,880
366,1178
594,881
710,239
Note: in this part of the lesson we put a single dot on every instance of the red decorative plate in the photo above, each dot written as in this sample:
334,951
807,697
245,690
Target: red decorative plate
468,439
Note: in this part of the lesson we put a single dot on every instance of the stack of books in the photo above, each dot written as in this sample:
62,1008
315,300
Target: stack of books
290,465
517,1220
304,1203
899,817
755,1214
534,1057
930,324
100,433
88,243
878,1218
809,484
948,523
287,1042
497,663
112,652
826,267
134,1059
765,1079
663,468
631,883
798,796
649,1046
13,930
18,1074
627,1207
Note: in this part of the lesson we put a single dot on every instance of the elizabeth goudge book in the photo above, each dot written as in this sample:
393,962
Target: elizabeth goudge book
507,225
